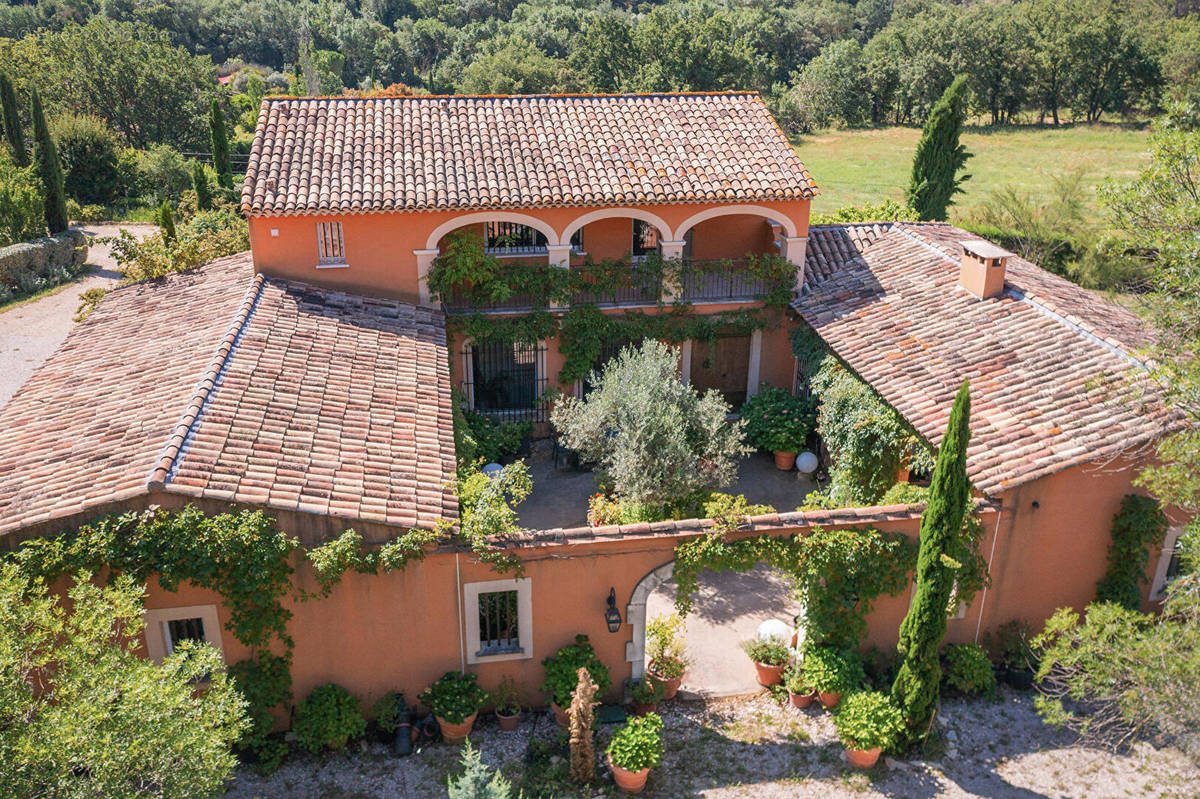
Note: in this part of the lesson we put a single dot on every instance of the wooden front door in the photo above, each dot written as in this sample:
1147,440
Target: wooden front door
724,366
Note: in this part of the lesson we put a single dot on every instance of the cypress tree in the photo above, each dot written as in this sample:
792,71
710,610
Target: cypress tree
220,146
45,157
12,122
940,156
166,221
200,184
915,690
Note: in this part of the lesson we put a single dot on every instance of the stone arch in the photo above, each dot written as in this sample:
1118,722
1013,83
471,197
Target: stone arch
620,213
491,216
635,615
789,227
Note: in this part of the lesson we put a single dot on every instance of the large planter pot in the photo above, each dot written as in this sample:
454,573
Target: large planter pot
640,710
784,461
800,700
456,733
508,723
560,716
767,674
863,758
629,781
670,687
829,699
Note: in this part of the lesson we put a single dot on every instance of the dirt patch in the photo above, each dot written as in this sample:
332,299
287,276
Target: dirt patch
754,748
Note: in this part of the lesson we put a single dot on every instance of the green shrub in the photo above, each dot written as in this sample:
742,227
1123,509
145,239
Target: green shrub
389,711
648,691
265,682
776,420
88,150
477,780
768,651
638,744
795,681
204,238
905,494
562,671
329,717
969,671
867,719
666,653
495,441
1138,526
22,209
832,670
454,697
163,172
506,698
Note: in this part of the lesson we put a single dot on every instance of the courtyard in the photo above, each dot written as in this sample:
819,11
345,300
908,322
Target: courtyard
752,746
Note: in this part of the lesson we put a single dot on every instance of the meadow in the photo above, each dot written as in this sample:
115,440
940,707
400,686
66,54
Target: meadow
855,167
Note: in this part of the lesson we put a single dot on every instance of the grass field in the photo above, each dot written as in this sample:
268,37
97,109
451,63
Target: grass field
854,167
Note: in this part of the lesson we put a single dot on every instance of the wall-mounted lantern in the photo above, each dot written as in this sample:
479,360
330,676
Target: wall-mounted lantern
612,616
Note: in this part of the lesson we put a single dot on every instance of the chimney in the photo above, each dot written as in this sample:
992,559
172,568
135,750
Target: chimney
983,267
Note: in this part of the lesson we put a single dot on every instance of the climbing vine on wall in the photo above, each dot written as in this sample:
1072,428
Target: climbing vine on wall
1139,525
465,274
837,573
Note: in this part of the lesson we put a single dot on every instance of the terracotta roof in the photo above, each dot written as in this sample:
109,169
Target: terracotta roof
236,387
352,155
1055,372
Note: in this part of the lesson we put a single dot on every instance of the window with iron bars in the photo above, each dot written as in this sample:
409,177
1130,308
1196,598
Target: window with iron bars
499,631
505,380
511,237
331,248
178,630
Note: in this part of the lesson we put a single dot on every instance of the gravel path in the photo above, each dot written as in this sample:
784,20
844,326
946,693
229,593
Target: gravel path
31,332
753,748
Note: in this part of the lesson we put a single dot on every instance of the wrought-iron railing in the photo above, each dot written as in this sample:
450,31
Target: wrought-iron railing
464,300
729,279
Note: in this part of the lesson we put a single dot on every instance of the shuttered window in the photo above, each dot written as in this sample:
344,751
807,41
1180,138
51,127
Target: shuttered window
330,246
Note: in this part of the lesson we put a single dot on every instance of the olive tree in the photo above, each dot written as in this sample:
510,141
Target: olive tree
655,438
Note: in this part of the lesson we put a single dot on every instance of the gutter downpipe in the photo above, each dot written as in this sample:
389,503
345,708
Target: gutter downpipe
462,635
991,557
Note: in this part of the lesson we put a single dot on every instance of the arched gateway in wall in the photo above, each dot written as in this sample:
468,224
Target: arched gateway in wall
635,614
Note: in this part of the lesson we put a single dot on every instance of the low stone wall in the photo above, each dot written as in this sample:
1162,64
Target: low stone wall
35,265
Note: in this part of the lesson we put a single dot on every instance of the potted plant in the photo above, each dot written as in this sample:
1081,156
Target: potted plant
508,705
634,750
390,714
832,672
800,693
562,675
778,422
770,656
455,700
646,693
867,724
1016,658
665,651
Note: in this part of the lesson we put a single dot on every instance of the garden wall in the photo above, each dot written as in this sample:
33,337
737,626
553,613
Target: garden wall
35,265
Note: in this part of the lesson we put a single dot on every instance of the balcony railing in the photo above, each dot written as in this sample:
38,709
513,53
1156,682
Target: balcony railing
465,301
709,281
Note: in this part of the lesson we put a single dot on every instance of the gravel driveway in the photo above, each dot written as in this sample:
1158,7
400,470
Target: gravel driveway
31,332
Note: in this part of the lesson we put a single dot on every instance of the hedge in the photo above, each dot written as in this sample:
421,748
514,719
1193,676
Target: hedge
34,265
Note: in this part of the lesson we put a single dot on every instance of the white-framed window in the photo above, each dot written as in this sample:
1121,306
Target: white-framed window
499,620
1168,564
166,627
331,246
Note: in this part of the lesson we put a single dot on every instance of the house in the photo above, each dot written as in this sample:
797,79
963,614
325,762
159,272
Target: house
313,376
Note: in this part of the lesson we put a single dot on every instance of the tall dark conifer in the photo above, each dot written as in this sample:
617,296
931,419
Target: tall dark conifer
12,122
166,221
220,146
915,690
45,157
940,156
200,184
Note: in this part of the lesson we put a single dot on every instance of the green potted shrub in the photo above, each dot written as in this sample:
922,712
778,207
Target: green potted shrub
800,693
562,675
868,723
455,700
778,422
646,693
328,719
770,656
634,750
832,672
508,704
665,653
969,671
1016,660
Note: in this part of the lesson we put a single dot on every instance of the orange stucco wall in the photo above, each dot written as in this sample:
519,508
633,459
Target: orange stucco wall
379,247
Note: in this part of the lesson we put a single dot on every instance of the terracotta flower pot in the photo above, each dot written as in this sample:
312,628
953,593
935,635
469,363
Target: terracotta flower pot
767,674
560,716
670,687
456,733
800,700
829,699
640,710
784,461
863,758
629,781
508,723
